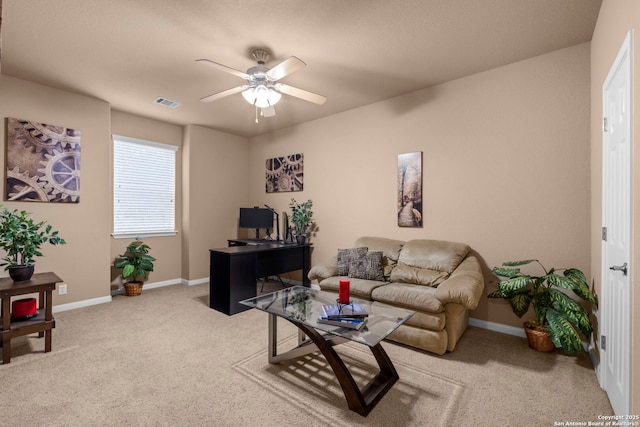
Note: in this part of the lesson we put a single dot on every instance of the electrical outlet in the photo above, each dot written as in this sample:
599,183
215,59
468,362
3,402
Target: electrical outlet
62,289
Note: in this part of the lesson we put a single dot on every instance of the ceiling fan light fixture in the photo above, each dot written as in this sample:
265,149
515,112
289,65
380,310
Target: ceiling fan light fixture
261,96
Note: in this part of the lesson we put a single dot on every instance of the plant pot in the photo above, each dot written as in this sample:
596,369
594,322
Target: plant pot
132,289
301,240
538,340
20,273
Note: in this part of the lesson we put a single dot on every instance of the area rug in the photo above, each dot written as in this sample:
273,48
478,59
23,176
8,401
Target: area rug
420,397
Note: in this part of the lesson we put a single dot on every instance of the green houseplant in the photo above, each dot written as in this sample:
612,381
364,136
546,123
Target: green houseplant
555,312
21,238
136,263
302,218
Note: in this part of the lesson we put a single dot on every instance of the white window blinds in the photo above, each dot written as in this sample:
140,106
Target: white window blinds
144,188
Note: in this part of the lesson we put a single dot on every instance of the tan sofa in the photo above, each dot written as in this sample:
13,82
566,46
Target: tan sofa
441,281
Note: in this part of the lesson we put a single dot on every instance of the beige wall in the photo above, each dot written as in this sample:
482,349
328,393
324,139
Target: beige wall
616,18
84,262
505,164
166,250
215,170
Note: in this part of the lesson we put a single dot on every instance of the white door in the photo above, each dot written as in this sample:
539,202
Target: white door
615,323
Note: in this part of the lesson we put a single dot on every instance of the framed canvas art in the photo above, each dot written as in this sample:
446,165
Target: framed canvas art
43,162
410,189
283,174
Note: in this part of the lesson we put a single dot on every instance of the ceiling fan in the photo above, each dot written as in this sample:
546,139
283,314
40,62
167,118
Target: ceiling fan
263,88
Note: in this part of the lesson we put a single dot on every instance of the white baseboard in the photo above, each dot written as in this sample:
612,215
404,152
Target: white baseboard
195,282
497,327
154,285
80,304
102,300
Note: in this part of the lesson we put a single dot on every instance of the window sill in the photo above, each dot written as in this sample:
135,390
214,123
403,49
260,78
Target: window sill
143,235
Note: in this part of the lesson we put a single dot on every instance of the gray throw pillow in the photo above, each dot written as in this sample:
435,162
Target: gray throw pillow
346,256
368,267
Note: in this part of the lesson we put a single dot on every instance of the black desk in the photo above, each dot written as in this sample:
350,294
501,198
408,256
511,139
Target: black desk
234,270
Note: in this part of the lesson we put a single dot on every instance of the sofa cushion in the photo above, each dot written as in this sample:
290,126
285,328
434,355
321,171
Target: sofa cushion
437,255
464,286
346,256
414,297
425,339
419,276
358,288
431,321
322,271
390,249
367,267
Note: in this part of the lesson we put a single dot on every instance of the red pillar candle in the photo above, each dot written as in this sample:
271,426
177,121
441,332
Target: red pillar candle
343,293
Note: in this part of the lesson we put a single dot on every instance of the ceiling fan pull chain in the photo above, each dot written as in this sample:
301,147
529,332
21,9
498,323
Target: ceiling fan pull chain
256,115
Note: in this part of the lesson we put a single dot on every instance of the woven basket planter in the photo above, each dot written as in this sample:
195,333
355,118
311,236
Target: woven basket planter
538,340
132,289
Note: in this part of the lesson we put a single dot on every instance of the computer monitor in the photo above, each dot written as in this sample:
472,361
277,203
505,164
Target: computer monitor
257,218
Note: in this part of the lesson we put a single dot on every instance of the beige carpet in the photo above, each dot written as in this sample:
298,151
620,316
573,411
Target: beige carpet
166,359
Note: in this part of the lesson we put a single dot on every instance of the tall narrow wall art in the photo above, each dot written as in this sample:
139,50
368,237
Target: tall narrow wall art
410,190
283,174
43,162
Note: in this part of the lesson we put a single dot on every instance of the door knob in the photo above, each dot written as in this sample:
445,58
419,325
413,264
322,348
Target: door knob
622,268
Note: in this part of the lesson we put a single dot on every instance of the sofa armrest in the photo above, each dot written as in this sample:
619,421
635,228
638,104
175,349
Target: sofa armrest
464,286
323,271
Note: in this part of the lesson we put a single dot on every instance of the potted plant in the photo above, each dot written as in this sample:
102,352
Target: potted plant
302,218
21,238
556,314
135,263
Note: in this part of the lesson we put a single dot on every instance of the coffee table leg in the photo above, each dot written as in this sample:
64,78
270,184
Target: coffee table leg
360,401
304,347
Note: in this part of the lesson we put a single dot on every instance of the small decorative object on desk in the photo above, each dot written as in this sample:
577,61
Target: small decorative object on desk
302,218
343,291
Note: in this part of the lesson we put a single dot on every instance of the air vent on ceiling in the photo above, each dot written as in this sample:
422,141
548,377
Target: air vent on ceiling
167,102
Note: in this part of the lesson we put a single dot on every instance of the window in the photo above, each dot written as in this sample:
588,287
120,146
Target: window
144,188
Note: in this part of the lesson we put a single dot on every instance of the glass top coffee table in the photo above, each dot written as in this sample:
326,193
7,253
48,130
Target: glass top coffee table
303,306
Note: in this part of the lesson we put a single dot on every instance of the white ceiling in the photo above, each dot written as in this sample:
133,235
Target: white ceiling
128,52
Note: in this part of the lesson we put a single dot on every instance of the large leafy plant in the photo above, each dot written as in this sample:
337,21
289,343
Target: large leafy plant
21,237
555,311
136,262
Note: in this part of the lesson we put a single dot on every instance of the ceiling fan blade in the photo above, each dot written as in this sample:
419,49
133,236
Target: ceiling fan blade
224,93
300,93
286,67
224,68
